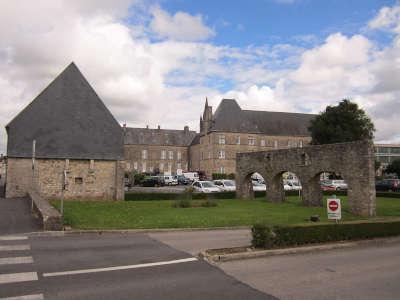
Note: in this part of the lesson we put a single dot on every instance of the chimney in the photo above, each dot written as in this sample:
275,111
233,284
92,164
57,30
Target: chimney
158,127
147,126
186,129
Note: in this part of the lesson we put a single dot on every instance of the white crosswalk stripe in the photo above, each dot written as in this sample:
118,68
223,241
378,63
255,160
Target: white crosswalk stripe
25,297
18,277
16,260
15,247
13,238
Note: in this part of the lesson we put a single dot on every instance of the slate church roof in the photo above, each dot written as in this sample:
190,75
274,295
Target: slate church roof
229,117
67,120
160,137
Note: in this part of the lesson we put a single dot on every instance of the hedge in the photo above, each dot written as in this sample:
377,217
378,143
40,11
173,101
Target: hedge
264,236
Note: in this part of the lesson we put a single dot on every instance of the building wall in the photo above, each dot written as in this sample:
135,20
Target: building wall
136,161
86,179
217,150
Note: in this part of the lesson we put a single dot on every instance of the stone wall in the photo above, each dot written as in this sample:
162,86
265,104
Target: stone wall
353,161
86,179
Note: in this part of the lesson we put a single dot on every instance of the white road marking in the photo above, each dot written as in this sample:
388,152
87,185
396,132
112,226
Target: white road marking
18,277
13,238
16,260
26,297
15,247
161,263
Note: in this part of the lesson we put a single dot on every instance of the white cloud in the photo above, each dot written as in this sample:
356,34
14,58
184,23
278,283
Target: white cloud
166,82
388,18
181,26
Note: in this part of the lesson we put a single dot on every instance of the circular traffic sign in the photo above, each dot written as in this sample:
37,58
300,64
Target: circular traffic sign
333,205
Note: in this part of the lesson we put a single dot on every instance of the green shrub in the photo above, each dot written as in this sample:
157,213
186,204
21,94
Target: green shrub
216,176
281,236
231,176
138,178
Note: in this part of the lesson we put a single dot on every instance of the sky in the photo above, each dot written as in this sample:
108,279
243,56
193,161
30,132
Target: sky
154,62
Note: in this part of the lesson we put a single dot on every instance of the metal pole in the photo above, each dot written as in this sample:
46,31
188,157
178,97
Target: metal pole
33,168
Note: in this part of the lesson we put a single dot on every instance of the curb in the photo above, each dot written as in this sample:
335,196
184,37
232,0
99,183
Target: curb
129,231
295,250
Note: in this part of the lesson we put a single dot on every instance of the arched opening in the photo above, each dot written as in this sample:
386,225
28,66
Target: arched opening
249,185
291,184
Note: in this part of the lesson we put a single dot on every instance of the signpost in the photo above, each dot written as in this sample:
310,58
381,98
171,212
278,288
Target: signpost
334,208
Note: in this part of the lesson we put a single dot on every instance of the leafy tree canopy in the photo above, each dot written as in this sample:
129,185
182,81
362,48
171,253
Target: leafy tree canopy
345,122
394,167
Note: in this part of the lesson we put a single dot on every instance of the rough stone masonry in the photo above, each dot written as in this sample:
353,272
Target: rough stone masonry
354,161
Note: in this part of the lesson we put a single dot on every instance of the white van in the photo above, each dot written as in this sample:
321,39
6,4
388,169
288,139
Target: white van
192,176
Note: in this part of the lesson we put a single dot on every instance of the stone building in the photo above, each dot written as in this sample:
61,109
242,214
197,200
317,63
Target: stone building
76,142
232,130
157,150
228,131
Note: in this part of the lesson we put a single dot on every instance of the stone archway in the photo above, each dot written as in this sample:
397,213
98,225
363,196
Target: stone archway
354,161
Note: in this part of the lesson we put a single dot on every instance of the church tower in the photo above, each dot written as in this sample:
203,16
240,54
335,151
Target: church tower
206,120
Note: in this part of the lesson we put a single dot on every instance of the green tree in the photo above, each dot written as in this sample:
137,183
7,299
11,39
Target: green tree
394,167
345,122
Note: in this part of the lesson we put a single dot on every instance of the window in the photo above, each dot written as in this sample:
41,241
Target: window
128,166
179,155
91,165
252,141
221,154
144,154
169,167
135,166
262,143
151,169
301,144
161,167
78,180
275,144
202,155
163,154
179,166
222,169
221,139
209,154
171,154
143,167
238,140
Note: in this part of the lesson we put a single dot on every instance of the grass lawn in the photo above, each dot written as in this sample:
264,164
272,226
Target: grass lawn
229,212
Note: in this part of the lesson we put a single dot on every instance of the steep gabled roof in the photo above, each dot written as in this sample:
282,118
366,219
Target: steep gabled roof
229,117
67,120
161,137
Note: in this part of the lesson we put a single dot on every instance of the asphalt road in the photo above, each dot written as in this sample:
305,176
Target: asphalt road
16,217
365,272
33,266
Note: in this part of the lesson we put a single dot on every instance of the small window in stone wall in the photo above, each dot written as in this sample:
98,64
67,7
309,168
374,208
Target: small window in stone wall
78,180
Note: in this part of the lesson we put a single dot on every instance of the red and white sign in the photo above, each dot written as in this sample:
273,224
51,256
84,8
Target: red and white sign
334,209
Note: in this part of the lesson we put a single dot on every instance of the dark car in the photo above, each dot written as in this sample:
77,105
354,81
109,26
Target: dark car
183,180
388,185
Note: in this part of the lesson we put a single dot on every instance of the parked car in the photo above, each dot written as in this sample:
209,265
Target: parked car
334,185
259,186
183,180
226,185
149,182
205,187
291,185
388,185
170,180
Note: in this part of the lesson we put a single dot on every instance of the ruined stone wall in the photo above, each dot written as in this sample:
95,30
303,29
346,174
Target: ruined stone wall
353,161
87,179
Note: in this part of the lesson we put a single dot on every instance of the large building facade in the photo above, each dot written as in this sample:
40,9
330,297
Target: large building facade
65,143
228,131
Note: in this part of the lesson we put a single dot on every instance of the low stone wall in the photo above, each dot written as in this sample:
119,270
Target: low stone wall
49,217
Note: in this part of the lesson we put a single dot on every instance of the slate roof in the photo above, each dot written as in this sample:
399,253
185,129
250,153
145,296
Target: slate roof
229,117
67,120
161,137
